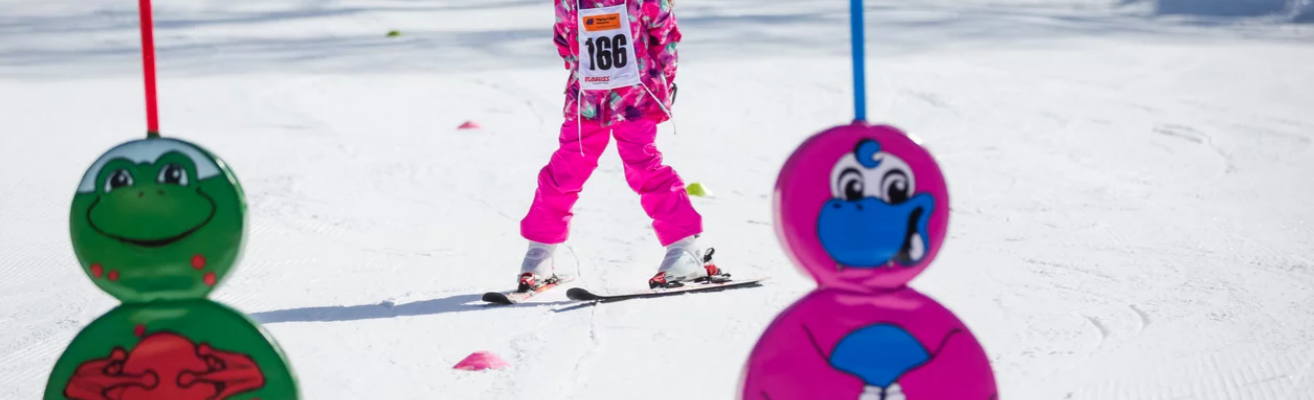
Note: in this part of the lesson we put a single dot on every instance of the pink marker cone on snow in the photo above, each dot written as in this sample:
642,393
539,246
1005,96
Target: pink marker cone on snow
469,125
481,360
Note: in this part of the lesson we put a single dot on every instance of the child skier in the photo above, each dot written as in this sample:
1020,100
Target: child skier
622,58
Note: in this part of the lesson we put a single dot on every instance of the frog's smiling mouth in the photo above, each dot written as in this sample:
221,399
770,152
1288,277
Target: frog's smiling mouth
159,242
153,242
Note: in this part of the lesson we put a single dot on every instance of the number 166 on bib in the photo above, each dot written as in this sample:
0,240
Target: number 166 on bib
605,36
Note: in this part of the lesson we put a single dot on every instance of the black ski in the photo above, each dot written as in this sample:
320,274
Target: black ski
711,285
516,297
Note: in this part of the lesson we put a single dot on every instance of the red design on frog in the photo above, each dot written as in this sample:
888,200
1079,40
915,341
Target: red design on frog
165,365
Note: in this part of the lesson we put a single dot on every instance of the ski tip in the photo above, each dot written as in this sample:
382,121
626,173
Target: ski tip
497,298
580,294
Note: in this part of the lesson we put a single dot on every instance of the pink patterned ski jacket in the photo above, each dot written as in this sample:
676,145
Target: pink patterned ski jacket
653,26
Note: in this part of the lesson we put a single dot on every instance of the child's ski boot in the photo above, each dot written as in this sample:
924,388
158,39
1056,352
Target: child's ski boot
537,275
685,262
538,269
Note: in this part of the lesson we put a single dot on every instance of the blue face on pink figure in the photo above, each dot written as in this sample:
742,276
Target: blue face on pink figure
874,219
864,209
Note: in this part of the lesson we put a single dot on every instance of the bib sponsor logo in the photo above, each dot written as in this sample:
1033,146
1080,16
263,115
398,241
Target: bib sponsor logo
605,22
597,79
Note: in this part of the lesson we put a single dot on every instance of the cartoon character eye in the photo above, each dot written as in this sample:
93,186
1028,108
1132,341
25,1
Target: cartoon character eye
117,179
895,186
173,174
851,184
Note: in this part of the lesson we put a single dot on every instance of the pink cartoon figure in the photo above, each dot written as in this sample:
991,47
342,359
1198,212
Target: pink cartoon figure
864,209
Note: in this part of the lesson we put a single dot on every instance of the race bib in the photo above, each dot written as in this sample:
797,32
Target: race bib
606,54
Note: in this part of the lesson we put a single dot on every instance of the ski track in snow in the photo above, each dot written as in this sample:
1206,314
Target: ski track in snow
1130,193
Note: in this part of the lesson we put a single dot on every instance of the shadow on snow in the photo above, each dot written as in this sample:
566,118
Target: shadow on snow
452,304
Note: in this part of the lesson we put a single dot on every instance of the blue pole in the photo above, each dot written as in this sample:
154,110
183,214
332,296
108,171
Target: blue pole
859,67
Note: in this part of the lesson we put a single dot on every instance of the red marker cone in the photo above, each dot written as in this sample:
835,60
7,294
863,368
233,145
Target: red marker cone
481,360
469,125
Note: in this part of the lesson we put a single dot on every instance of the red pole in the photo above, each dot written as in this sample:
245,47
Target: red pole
148,64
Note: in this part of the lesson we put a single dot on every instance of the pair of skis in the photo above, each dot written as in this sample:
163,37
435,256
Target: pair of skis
582,294
706,284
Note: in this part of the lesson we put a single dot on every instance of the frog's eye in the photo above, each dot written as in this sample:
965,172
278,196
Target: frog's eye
117,179
173,174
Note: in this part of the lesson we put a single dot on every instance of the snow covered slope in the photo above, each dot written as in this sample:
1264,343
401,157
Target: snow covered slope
1131,194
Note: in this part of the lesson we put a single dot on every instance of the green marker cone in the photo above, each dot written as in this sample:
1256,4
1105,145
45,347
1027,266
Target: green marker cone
697,189
158,223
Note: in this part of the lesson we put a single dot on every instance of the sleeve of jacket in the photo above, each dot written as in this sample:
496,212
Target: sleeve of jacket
563,33
664,33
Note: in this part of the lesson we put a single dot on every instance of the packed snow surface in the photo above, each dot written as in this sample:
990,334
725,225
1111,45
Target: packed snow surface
1132,213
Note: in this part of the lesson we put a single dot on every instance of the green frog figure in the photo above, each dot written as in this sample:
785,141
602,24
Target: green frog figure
157,223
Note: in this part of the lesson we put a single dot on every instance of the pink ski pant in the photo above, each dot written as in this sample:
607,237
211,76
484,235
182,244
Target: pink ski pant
660,190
